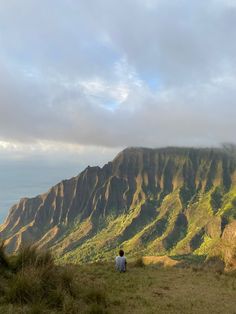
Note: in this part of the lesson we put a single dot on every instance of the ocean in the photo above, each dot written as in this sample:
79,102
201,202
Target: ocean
28,179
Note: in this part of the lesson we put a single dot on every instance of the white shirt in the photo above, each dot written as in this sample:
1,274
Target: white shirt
121,263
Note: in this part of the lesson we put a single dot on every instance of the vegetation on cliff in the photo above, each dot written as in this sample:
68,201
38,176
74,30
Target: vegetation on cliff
147,201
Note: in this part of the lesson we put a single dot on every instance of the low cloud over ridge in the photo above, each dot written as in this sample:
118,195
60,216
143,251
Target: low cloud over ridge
114,74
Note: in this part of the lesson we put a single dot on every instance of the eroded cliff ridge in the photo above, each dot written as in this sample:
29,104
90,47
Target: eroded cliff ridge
149,201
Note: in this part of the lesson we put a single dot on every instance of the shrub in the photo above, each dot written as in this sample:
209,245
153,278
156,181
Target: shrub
4,262
39,286
68,283
44,259
55,298
139,262
26,257
31,256
215,263
24,287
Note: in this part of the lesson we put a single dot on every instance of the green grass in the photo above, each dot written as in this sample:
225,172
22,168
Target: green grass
153,289
190,288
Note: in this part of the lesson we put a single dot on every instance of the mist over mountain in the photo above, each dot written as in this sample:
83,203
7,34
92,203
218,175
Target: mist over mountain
147,201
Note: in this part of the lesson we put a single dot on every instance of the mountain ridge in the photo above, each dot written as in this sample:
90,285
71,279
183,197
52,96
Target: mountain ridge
150,201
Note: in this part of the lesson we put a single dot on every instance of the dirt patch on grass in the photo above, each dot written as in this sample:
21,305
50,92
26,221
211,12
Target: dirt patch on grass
165,261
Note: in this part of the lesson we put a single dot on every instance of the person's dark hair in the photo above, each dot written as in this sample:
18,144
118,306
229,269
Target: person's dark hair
121,253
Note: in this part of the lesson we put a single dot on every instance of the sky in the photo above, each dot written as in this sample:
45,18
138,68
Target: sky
82,79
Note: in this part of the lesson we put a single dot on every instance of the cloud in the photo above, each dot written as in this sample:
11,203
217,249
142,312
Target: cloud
117,73
18,154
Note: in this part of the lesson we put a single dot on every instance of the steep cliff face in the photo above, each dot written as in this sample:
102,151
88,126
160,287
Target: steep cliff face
149,201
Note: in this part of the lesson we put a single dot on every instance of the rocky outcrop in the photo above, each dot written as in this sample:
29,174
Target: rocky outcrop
150,200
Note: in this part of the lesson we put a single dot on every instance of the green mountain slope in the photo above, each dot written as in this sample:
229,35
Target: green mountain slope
149,201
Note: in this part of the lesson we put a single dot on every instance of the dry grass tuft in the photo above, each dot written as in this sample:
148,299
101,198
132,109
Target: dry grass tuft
36,284
31,256
97,288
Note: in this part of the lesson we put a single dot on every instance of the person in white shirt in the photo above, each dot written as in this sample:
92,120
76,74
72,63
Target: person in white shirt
121,262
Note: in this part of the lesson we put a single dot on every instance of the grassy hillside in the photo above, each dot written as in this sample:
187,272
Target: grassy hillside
31,283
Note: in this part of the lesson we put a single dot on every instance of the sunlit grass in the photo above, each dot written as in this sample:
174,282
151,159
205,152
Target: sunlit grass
192,286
